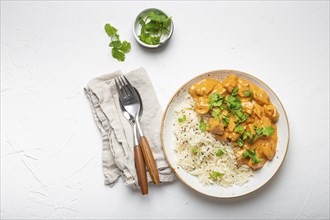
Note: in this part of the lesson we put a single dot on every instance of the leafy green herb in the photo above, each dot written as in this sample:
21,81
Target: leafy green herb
216,175
225,120
119,49
240,142
267,131
195,150
239,129
234,92
252,155
202,125
248,93
233,103
240,117
184,118
215,113
153,25
216,100
220,152
246,135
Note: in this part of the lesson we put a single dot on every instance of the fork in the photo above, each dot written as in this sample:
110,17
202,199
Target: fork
132,103
138,157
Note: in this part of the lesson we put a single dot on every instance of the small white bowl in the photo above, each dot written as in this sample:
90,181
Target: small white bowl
137,29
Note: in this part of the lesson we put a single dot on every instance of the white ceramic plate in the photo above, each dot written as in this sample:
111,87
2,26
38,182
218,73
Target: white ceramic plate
260,177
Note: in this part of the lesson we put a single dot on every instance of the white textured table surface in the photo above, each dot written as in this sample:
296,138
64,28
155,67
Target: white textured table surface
50,145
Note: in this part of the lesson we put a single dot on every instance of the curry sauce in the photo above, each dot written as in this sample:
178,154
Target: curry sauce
240,112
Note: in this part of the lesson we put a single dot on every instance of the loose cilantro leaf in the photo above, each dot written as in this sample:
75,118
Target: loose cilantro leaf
219,153
125,46
117,54
216,175
239,129
252,155
118,48
202,125
184,118
110,30
195,150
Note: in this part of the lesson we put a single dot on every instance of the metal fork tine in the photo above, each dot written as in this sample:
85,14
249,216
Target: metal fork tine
130,87
126,87
122,91
118,89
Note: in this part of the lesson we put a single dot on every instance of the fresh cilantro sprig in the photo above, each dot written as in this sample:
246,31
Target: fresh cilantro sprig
264,131
153,25
119,49
252,155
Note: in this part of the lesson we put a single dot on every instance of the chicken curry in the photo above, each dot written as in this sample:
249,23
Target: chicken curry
240,112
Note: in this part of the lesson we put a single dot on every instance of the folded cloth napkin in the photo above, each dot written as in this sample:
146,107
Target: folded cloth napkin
117,134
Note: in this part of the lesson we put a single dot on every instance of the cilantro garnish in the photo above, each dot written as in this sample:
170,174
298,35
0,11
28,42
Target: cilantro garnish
195,150
216,175
216,100
215,113
202,125
184,118
220,152
266,131
240,142
252,155
239,129
118,48
248,93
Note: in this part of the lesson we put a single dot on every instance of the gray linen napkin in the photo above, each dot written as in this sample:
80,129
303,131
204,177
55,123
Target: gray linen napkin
117,135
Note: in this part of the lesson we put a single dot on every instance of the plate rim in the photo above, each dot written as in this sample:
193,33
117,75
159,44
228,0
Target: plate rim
162,132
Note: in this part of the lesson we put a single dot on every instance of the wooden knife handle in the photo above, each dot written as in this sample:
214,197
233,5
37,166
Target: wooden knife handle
149,159
140,170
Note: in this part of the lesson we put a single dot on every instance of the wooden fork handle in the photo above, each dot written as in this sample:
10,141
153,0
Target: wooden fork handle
149,159
140,170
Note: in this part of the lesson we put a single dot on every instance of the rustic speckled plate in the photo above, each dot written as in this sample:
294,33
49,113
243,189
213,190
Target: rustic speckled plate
260,177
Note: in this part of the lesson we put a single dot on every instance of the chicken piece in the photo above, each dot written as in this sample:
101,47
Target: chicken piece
264,122
233,136
203,88
243,86
258,110
231,124
239,158
269,149
271,112
219,89
215,126
259,95
247,107
202,105
256,166
250,128
230,83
